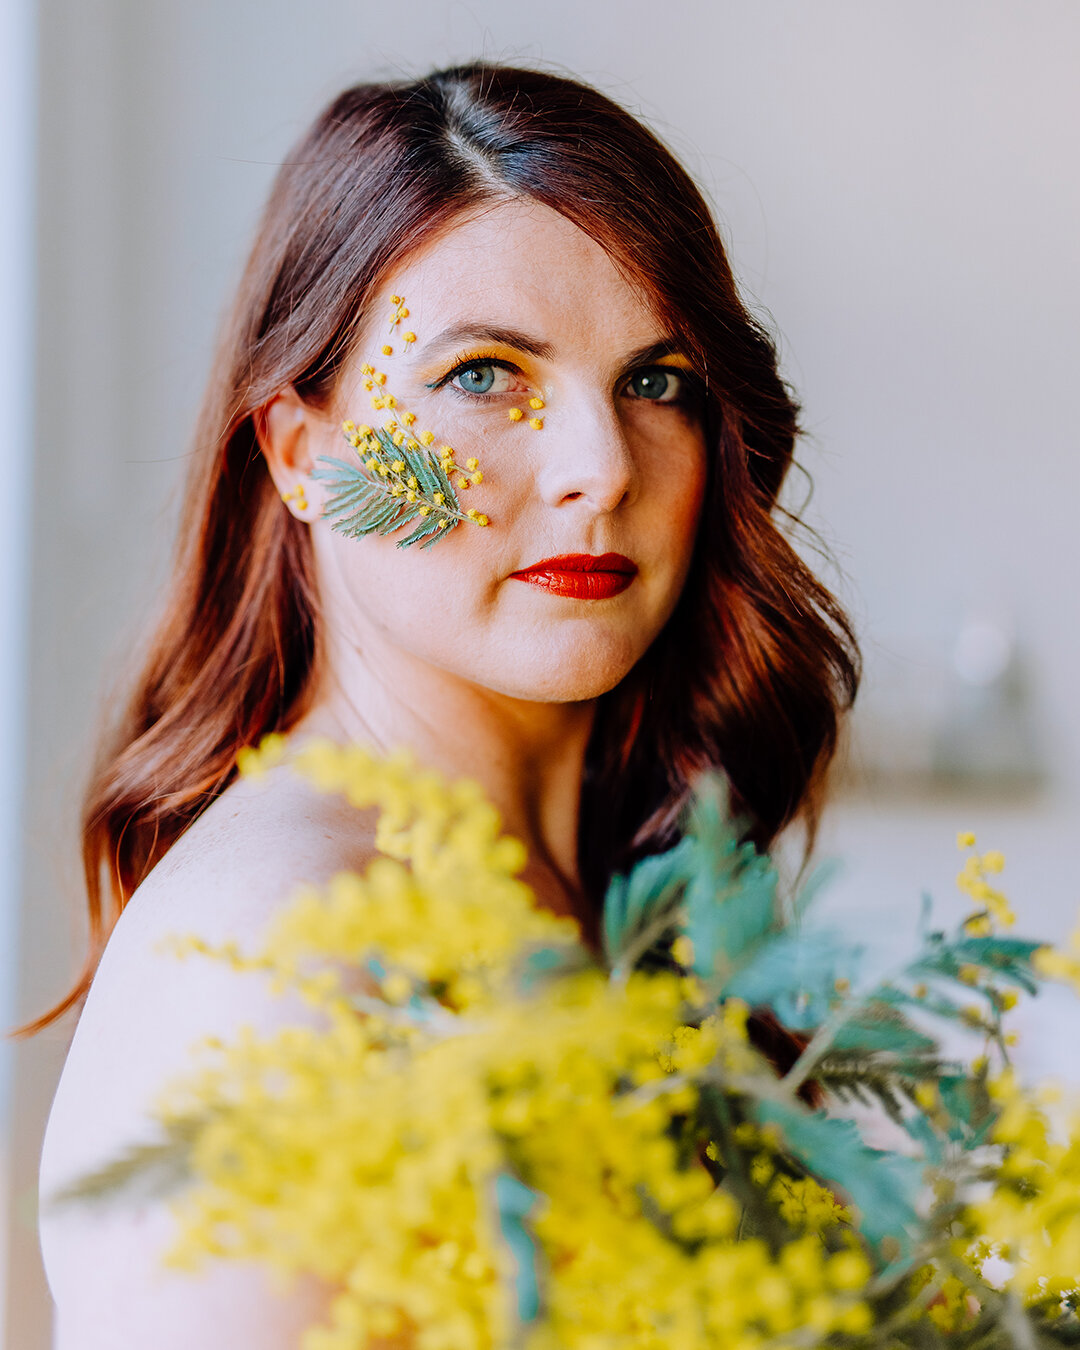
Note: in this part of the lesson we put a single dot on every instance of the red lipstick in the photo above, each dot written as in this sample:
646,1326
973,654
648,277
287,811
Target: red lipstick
581,576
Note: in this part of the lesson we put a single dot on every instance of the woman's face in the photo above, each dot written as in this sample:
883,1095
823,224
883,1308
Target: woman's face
512,304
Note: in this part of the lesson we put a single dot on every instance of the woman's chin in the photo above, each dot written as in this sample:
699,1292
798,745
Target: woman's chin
571,677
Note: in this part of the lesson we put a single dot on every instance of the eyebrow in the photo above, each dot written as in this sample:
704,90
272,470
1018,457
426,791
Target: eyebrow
653,352
544,351
484,332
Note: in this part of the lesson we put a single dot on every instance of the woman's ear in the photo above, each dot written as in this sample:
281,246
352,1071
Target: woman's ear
289,433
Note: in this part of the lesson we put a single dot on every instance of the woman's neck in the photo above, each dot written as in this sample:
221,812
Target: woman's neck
528,757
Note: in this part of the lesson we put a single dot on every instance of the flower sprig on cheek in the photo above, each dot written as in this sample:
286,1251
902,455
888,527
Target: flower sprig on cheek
397,479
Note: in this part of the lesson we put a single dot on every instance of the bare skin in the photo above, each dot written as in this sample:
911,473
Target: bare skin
480,673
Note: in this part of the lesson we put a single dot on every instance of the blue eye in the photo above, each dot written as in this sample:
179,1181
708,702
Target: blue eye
479,377
657,384
476,379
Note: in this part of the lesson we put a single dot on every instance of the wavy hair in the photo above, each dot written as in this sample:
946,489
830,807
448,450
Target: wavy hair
757,663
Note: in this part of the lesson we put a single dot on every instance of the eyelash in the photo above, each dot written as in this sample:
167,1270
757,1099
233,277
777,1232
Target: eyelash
691,385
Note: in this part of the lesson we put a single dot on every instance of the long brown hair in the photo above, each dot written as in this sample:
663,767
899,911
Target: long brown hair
756,664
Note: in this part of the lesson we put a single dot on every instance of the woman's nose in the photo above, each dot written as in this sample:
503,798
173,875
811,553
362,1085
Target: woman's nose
585,457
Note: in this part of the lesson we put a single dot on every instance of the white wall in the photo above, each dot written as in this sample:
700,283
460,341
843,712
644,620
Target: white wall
17,100
898,184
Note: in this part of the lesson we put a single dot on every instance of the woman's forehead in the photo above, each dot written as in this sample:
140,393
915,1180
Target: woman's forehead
518,265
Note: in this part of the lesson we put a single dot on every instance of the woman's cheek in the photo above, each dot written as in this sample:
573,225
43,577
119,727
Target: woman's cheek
675,487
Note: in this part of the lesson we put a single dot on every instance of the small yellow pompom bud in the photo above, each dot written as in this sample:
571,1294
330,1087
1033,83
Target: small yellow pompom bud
365,369
408,337
472,513
408,418
379,377
848,1271
372,464
515,414
348,426
398,466
481,520
369,384
403,313
464,484
425,510
364,430
377,402
390,425
537,423
443,523
426,437
472,463
355,440
682,949
395,300
398,438
413,483
965,839
446,451
391,401
439,499
993,861
413,445
387,350
410,496
536,403
397,987
478,477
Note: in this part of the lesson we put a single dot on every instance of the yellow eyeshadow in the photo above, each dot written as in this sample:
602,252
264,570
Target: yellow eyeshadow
496,352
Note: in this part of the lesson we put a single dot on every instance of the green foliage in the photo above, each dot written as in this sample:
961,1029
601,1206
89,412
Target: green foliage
641,909
142,1172
730,903
882,1185
514,1201
361,500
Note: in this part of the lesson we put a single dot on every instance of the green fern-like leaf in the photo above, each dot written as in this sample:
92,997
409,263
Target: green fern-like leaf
882,1184
143,1172
364,500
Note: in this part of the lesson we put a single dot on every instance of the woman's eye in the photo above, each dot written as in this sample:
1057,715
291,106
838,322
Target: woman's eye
483,378
658,384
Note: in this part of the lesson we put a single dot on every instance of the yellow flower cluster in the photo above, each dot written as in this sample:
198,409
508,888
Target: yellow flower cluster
443,905
368,1153
1055,964
952,1307
992,906
393,474
1032,1216
807,1205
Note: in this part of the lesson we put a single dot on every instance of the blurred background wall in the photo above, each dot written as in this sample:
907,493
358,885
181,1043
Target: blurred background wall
897,181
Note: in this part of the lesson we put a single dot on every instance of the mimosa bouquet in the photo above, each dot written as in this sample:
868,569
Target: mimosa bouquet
492,1136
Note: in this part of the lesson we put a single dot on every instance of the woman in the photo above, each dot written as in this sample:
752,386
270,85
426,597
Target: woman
558,308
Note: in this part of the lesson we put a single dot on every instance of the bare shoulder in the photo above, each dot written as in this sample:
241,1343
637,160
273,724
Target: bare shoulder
224,879
248,852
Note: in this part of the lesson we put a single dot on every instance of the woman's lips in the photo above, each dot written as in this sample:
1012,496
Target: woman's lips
581,576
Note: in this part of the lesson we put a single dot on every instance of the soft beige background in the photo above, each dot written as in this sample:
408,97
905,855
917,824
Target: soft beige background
897,180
